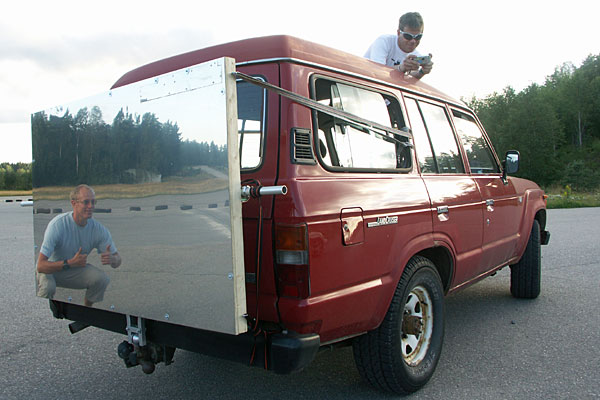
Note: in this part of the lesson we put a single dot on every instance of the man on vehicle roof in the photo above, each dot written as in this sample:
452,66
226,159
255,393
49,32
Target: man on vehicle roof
400,50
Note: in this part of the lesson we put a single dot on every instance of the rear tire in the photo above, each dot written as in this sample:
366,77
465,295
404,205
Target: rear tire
401,355
525,276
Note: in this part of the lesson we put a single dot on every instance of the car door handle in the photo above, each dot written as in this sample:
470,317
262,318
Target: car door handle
489,202
443,214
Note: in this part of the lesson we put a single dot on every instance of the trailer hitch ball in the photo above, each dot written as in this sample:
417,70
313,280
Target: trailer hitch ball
147,366
124,350
146,356
128,353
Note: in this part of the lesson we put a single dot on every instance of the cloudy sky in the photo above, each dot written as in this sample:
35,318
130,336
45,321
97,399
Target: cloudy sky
53,52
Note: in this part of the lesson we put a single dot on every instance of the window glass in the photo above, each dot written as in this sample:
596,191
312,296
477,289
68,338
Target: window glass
478,151
443,142
251,106
365,104
342,144
420,138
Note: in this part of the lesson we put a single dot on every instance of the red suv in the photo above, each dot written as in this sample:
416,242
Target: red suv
391,196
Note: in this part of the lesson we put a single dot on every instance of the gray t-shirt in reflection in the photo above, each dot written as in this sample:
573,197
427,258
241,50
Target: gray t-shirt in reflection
63,238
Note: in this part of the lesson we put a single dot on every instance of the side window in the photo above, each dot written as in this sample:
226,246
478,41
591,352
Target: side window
443,143
342,144
422,145
478,151
251,124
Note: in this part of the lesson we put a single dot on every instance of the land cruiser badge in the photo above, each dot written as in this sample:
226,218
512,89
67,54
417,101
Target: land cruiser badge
383,221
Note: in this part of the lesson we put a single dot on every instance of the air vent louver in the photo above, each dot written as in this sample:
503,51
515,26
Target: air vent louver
302,151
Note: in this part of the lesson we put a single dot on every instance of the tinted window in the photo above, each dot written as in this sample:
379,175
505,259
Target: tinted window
443,142
251,106
476,147
346,145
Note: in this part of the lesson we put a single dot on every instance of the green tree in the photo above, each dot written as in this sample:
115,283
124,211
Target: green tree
556,127
15,176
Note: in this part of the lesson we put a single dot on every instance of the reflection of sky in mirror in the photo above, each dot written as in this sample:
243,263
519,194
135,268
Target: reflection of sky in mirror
188,97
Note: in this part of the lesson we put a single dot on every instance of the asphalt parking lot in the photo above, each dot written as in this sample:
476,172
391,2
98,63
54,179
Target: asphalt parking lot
496,347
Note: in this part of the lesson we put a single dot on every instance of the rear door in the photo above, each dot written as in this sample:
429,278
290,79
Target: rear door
258,132
455,196
258,135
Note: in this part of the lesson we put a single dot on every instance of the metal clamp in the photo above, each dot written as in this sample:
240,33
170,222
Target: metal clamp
136,330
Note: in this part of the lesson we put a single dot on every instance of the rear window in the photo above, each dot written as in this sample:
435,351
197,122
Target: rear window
251,124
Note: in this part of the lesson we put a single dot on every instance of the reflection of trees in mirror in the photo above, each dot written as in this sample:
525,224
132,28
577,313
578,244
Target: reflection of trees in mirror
83,148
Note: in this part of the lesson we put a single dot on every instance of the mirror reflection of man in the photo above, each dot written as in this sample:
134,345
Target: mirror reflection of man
68,240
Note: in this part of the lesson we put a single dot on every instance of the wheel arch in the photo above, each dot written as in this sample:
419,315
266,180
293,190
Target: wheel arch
540,215
437,251
443,260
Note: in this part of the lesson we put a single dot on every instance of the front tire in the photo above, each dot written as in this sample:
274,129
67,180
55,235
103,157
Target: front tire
525,276
401,355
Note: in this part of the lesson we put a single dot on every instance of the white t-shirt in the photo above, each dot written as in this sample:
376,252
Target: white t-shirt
385,50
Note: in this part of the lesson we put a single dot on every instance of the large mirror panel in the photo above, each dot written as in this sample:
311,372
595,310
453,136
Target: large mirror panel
151,233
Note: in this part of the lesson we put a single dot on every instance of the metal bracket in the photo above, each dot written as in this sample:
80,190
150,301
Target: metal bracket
257,191
136,330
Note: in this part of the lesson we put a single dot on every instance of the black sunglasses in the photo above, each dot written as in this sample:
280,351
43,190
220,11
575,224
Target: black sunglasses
410,36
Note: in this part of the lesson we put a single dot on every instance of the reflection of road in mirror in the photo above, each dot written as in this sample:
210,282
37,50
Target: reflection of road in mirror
175,249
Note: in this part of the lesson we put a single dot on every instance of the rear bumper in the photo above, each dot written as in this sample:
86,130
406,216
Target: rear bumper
282,353
291,352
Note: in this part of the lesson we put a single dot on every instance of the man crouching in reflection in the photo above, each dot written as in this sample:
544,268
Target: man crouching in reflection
68,240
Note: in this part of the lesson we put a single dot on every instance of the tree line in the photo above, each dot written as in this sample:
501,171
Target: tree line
555,126
15,176
82,148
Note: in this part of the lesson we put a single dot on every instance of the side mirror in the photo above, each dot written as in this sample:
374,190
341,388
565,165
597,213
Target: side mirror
511,163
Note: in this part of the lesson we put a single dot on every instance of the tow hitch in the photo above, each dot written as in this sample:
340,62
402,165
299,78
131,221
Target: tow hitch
137,351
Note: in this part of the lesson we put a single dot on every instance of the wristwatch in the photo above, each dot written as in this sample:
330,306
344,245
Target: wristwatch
66,265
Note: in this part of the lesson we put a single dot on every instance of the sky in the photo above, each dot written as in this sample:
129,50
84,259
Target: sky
52,53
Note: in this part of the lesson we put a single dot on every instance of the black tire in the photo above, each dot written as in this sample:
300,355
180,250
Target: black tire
400,356
525,276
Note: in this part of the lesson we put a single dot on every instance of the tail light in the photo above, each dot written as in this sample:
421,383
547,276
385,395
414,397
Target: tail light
291,257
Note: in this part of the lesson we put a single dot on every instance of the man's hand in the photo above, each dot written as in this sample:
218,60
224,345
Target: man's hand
114,260
409,64
426,68
78,260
